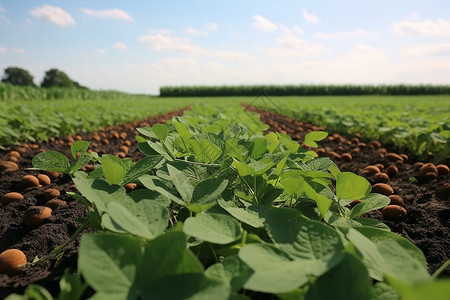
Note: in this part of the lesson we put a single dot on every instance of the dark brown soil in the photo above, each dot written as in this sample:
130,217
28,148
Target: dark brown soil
426,224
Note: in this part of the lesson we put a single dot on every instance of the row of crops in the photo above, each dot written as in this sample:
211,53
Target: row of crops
228,212
419,125
9,92
302,90
30,121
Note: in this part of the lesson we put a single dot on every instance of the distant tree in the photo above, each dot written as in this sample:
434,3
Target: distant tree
18,76
57,78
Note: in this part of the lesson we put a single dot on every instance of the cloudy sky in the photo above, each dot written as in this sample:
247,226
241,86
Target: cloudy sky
138,46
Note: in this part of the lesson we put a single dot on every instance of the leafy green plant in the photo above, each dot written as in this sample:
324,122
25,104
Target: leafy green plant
225,210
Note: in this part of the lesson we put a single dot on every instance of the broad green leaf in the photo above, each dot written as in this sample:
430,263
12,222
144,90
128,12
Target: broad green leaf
206,194
436,290
274,271
383,291
213,227
369,203
323,203
243,168
51,161
160,131
232,271
313,137
146,218
205,151
387,257
109,262
112,170
248,216
182,130
182,183
187,286
272,142
379,234
143,166
300,237
79,146
351,186
348,280
233,149
167,255
258,147
147,131
99,192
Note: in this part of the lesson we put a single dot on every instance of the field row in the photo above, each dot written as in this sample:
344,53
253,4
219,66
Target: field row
302,90
22,121
10,92
418,124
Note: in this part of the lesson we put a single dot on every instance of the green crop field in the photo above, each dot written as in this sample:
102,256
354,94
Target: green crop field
23,120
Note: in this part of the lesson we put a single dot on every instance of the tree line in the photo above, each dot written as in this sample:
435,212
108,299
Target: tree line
52,78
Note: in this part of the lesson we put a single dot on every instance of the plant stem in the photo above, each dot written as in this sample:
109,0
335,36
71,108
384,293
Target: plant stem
63,245
441,269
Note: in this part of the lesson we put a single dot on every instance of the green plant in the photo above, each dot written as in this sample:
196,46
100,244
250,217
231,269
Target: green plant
226,211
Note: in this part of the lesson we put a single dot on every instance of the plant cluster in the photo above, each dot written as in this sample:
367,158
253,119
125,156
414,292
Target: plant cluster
22,121
302,90
10,92
227,211
419,125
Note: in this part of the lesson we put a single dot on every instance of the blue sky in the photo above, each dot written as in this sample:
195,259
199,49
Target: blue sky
138,46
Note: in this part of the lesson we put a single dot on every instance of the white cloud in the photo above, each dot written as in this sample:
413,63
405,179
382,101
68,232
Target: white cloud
202,32
108,13
168,42
298,30
195,32
5,19
19,50
293,46
234,56
425,28
310,17
100,51
2,9
120,46
2,49
425,50
347,34
53,14
212,26
263,24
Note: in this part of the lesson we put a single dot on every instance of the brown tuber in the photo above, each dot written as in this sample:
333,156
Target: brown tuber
55,203
396,200
442,169
426,170
8,166
51,193
36,215
12,261
43,179
393,212
29,181
11,197
392,170
380,177
383,189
